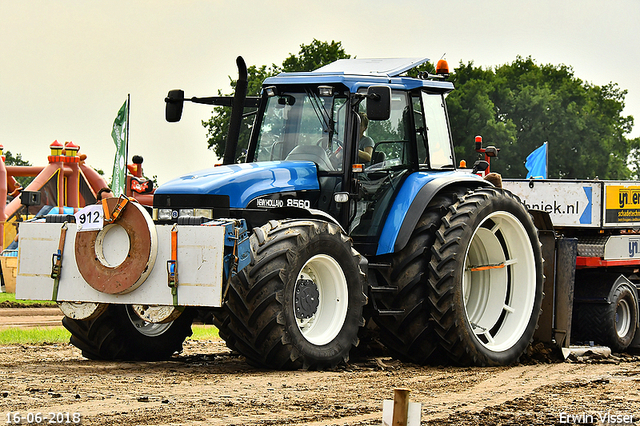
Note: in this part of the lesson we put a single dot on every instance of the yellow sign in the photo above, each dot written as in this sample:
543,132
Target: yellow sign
622,203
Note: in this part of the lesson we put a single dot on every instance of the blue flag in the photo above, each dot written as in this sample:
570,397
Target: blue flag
537,163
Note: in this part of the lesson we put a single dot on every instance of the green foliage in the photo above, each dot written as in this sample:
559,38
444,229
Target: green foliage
17,160
519,106
218,125
313,56
9,299
515,107
309,58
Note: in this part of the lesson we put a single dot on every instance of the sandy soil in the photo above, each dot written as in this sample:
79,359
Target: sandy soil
30,317
208,385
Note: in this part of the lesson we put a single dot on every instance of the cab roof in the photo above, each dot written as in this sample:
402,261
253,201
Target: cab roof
359,73
379,67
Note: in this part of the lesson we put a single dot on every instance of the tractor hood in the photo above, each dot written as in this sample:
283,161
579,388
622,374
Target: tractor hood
244,182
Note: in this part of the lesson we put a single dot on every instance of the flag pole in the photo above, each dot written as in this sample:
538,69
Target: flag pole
126,145
546,153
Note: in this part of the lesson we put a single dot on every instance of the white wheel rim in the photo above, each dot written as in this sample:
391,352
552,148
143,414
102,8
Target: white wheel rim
145,328
499,282
330,309
623,318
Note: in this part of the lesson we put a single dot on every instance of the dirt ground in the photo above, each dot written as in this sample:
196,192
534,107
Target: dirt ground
29,317
208,385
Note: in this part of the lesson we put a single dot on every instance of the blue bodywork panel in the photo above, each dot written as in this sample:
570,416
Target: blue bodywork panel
406,195
355,82
244,182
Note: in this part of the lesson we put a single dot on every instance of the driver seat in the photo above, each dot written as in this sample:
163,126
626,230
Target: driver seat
312,153
378,157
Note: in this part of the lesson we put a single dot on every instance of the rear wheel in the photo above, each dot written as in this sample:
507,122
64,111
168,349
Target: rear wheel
299,304
411,335
119,334
486,279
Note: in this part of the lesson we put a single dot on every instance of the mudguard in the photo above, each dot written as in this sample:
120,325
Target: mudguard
417,191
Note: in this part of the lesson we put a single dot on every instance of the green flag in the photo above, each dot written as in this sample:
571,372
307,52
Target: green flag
119,135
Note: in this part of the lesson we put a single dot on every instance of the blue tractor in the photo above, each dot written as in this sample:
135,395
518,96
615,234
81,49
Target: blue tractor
357,215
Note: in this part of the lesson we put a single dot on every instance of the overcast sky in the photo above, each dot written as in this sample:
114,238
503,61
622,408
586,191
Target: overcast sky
67,66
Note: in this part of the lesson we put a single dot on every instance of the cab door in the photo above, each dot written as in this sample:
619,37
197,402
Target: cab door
393,157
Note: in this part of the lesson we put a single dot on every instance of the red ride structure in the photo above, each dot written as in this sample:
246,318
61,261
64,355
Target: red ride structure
65,182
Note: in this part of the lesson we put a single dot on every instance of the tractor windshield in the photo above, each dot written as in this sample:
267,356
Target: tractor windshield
303,126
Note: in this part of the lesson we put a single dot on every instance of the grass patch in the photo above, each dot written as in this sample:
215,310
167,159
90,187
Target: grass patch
10,299
19,336
42,335
204,332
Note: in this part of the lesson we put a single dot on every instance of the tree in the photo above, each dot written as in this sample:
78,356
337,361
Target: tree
516,107
310,57
11,160
313,56
519,106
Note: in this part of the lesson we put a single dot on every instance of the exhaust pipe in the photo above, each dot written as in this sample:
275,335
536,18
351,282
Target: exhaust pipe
237,110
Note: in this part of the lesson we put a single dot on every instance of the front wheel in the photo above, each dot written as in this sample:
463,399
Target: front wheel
119,334
486,279
299,304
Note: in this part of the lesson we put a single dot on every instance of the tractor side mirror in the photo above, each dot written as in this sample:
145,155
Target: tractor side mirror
379,102
175,102
480,166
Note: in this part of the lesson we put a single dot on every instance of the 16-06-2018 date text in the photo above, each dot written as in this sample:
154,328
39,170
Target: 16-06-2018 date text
50,418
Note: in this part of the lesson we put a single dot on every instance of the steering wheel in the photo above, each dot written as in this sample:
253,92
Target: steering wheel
324,144
335,155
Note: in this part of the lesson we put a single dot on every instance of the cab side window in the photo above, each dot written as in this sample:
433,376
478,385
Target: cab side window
437,131
391,138
421,130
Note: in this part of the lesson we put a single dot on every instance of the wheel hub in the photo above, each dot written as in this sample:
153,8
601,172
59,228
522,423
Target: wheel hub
307,299
623,318
145,328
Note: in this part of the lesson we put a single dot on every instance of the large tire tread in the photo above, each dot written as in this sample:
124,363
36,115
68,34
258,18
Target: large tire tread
411,336
257,326
448,311
112,336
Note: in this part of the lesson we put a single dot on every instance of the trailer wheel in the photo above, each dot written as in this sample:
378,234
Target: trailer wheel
299,304
623,310
486,279
613,324
119,334
411,335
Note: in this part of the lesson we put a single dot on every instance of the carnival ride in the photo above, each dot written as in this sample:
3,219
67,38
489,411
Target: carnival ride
63,186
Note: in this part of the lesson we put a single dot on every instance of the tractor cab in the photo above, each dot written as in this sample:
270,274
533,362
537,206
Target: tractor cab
338,142
365,127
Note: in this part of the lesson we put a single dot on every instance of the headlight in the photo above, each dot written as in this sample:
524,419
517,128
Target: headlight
208,213
341,197
165,214
185,213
